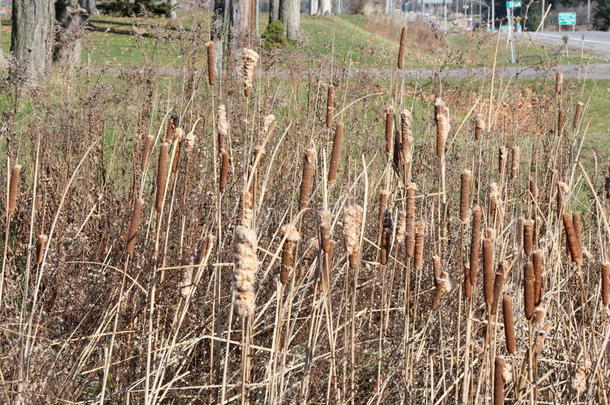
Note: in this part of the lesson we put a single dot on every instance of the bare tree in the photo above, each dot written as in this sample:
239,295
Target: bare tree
71,19
31,38
291,17
325,7
90,7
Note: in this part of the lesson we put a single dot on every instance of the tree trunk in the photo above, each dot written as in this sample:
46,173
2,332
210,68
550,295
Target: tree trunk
90,7
292,19
242,23
71,27
31,38
172,11
274,8
313,7
325,7
218,33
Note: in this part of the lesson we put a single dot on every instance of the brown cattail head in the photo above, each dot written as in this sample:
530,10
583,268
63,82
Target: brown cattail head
488,270
383,204
578,114
401,226
499,371
352,230
402,47
605,283
475,244
146,148
442,126
250,58
572,238
134,224
162,171
211,62
479,126
502,158
41,243
528,236
533,187
420,229
205,248
464,194
292,237
558,82
389,130
537,263
13,189
577,221
498,286
561,121
386,237
442,281
516,157
335,156
529,300
244,273
307,179
330,106
170,129
410,220
509,326
225,165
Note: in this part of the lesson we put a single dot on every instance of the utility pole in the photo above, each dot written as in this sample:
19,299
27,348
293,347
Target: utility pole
493,15
588,14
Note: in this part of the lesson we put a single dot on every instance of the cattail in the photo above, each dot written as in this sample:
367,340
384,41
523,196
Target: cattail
389,130
420,229
516,155
464,194
351,231
528,290
186,285
205,248
578,114
148,143
247,209
539,315
605,283
509,326
537,230
402,47
475,244
499,381
386,237
307,179
162,176
244,273
41,243
292,237
401,226
479,126
250,58
572,238
442,126
134,224
383,204
13,189
558,82
561,122
537,263
495,202
222,128
562,190
410,220
335,157
406,143
533,188
442,282
577,221
325,218
502,157
330,106
498,286
211,62
225,163
488,269
170,129
179,140
528,236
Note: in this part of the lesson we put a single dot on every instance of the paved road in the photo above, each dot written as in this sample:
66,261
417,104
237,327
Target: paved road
595,41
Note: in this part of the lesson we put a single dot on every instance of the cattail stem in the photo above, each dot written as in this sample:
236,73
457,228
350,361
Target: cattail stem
410,220
162,176
148,144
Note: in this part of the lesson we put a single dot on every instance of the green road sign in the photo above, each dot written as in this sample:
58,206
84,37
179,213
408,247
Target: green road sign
513,4
567,18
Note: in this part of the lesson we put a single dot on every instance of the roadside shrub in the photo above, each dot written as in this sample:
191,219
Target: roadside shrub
275,35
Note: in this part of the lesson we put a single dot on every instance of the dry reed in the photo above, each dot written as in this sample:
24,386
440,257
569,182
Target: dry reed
162,171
